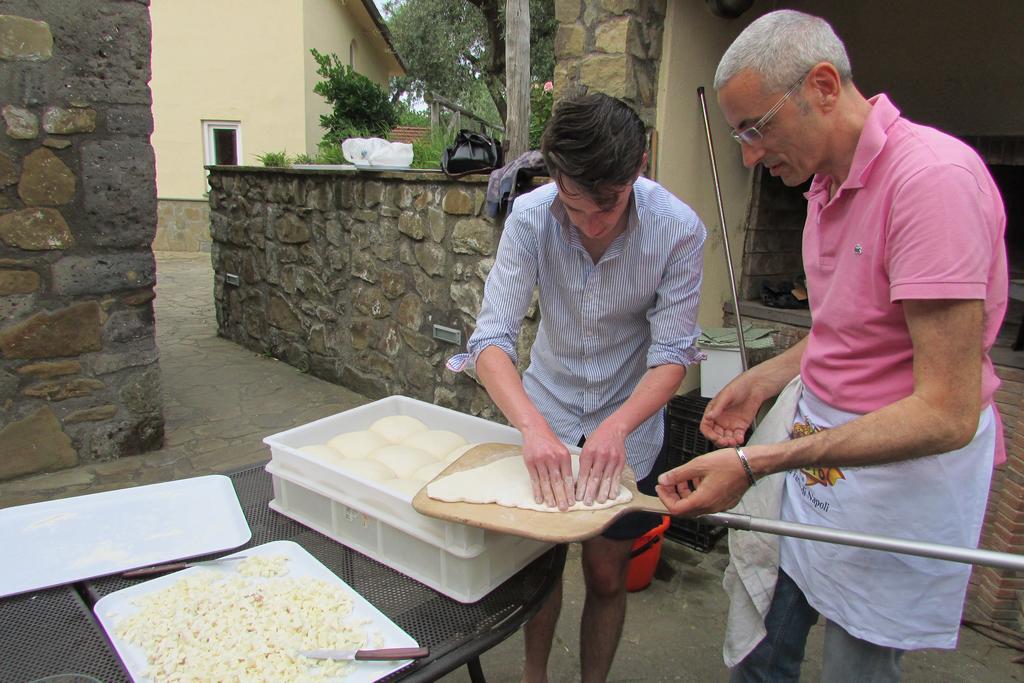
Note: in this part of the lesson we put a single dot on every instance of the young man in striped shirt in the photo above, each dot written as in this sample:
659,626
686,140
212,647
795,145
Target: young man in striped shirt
617,260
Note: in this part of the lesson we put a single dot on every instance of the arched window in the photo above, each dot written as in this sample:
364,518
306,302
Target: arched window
352,48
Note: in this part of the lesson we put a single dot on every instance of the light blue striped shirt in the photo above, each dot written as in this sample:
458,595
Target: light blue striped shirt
602,325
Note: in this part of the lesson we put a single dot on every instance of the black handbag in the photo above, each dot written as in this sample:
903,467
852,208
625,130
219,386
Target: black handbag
471,153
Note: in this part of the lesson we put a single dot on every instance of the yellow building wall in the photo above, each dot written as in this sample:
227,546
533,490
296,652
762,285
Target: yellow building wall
248,61
331,26
694,40
225,60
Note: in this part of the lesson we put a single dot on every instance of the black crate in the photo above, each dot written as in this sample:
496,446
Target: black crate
685,442
694,534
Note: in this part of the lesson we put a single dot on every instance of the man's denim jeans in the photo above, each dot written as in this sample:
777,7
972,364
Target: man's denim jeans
778,657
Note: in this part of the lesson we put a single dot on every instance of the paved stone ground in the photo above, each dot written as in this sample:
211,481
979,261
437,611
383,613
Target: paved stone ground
221,400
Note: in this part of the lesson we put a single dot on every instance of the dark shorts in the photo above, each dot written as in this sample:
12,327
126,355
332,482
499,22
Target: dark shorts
635,524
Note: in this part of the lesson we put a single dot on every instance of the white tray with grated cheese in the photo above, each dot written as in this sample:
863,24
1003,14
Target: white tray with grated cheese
247,620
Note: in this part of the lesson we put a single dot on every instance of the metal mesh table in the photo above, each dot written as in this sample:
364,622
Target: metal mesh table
53,632
456,633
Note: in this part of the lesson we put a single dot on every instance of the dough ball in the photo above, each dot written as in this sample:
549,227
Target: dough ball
367,469
320,451
428,472
357,444
458,452
402,460
437,442
396,428
407,487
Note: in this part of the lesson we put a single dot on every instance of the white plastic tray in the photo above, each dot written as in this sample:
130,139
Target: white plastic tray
375,498
392,542
116,606
62,541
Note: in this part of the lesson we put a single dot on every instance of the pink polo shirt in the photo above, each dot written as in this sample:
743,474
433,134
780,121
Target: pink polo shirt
919,217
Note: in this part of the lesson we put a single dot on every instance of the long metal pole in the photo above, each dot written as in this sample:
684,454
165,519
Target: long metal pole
725,232
989,558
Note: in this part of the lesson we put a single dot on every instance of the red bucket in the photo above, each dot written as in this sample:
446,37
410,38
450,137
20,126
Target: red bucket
643,558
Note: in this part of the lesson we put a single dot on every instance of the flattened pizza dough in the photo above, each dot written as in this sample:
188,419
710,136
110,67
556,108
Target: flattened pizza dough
506,482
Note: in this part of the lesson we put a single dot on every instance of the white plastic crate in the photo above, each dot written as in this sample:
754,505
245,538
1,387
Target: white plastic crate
721,367
466,579
372,497
460,561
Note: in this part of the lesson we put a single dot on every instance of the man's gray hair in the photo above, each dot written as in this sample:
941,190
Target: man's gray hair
781,47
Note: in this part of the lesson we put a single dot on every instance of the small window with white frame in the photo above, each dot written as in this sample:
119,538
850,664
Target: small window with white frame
222,143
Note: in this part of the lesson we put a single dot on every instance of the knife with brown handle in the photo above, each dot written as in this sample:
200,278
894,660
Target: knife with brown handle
383,654
174,566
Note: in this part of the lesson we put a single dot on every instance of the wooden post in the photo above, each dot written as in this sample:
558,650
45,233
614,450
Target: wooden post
517,76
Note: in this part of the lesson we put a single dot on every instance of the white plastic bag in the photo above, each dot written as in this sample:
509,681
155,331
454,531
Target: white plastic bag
376,152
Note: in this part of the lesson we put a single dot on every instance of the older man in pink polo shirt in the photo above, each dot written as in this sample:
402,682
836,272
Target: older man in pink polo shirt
906,275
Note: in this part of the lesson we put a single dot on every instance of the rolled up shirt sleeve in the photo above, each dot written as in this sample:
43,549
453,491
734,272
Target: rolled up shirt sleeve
507,293
673,318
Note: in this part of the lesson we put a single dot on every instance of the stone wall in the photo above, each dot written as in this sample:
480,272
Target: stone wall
994,594
182,225
344,275
611,46
78,364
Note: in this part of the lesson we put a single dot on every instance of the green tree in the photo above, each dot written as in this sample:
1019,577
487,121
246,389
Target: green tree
456,48
359,106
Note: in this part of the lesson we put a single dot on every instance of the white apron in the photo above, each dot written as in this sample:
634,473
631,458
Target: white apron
889,599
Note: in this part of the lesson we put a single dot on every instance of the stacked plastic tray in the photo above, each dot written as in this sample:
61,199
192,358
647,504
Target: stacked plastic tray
685,442
463,562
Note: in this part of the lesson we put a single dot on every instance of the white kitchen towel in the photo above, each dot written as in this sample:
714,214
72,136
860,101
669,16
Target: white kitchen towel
754,556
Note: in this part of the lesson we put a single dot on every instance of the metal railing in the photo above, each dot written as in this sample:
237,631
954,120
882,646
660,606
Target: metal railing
458,113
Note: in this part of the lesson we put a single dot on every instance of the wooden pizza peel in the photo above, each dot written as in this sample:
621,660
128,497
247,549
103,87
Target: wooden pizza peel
552,527
565,527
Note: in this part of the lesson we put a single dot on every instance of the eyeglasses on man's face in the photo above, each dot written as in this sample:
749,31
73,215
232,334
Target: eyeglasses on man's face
754,134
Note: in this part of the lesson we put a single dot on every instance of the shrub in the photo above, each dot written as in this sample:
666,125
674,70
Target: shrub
274,158
359,105
542,97
330,153
426,152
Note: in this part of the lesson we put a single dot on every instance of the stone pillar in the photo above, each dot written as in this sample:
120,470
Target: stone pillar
78,363
610,46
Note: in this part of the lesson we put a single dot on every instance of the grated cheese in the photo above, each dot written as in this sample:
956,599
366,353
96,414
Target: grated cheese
225,627
263,565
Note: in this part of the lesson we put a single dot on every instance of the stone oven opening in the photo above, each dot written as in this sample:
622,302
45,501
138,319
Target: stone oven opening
771,249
